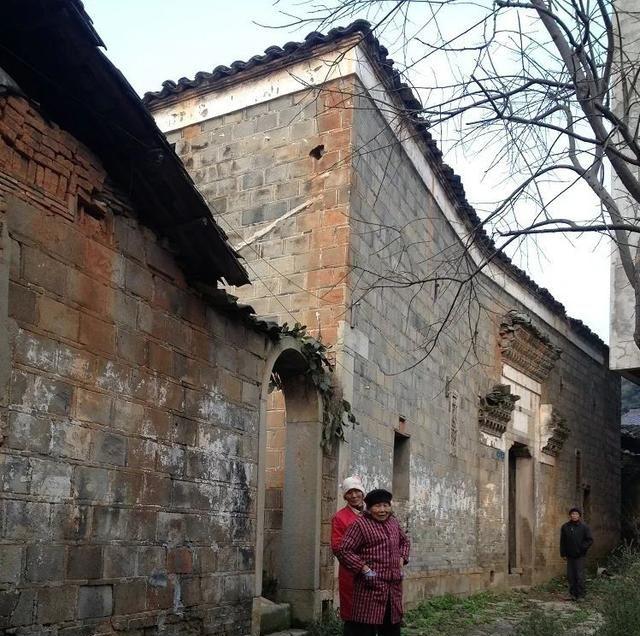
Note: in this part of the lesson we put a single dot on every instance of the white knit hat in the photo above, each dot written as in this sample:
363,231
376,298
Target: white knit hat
352,483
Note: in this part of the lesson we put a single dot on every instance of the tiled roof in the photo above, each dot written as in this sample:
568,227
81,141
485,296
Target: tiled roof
413,108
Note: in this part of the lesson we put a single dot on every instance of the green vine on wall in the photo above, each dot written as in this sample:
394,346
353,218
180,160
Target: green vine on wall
336,411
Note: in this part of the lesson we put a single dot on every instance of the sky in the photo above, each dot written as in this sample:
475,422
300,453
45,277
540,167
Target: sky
154,40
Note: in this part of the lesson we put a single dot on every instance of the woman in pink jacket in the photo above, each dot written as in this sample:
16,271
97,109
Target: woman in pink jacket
375,549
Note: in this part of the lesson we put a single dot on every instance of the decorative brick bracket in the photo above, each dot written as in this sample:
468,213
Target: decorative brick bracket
495,409
553,430
526,348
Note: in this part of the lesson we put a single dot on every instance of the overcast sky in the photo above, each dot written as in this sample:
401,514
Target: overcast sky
154,40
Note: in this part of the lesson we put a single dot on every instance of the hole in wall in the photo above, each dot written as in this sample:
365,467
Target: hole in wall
317,152
492,576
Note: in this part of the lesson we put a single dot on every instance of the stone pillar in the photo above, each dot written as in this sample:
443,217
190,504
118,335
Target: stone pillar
299,577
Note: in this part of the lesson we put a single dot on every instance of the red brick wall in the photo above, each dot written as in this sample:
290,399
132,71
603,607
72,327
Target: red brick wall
129,424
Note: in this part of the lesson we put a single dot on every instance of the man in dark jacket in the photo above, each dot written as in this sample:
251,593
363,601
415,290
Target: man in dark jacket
575,540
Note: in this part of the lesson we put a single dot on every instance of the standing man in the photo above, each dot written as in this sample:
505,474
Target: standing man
375,549
575,540
353,493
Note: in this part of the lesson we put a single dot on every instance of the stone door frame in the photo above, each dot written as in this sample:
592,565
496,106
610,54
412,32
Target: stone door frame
299,577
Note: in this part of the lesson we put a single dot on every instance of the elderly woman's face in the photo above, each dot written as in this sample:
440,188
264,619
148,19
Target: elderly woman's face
355,498
380,511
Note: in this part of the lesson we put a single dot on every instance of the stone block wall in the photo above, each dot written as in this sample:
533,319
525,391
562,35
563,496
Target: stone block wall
394,232
129,422
255,168
457,513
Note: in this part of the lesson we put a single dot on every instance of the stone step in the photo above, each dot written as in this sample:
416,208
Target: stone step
291,632
275,618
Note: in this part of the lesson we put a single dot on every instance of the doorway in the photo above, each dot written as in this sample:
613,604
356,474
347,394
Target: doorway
289,489
520,512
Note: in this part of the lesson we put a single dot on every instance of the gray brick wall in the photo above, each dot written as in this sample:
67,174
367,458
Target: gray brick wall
456,513
324,266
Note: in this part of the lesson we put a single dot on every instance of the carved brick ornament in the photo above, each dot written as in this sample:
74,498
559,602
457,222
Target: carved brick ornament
554,430
526,348
495,409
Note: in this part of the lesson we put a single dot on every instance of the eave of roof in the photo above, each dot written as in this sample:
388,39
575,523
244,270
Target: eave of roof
50,48
173,91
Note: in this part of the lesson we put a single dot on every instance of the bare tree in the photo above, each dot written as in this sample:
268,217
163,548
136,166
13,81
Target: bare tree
550,87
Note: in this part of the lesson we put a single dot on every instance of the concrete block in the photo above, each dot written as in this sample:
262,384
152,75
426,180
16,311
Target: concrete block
24,607
160,358
70,522
127,416
14,474
157,490
130,597
56,604
160,589
44,563
8,602
38,393
113,376
35,351
191,594
91,483
10,563
252,180
70,439
75,363
95,601
93,407
126,488
58,318
42,270
131,346
50,479
180,560
151,559
212,589
110,448
84,562
124,310
141,453
97,334
138,280
88,292
22,304
119,561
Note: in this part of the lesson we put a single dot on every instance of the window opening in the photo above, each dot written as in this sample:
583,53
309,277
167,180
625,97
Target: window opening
401,463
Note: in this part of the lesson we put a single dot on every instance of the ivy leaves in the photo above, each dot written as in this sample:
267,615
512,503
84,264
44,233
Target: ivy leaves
336,411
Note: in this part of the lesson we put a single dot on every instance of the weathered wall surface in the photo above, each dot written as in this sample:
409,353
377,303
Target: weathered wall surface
457,511
457,514
129,426
254,167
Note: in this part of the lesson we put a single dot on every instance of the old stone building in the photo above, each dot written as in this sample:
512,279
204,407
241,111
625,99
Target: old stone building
133,390
480,402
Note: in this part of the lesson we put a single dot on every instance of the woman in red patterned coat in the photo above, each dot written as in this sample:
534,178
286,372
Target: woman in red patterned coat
375,549
353,493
